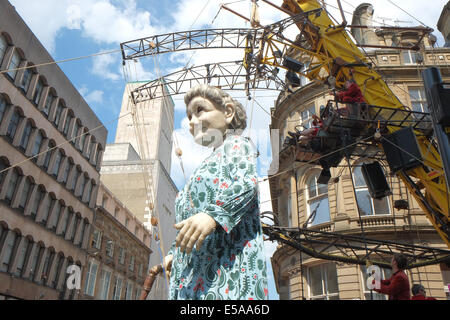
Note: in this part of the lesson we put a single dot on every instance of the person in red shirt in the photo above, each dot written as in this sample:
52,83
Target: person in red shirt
306,135
351,94
397,286
419,293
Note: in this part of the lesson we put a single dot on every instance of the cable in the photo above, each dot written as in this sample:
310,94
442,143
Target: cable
408,13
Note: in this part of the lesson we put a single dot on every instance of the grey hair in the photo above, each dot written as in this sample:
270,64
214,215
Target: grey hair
220,99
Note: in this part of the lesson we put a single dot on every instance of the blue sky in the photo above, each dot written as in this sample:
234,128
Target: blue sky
76,28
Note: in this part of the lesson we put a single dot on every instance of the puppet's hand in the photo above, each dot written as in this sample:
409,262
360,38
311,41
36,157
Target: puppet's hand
168,264
194,231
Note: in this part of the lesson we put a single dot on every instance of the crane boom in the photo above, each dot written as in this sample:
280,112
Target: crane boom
426,181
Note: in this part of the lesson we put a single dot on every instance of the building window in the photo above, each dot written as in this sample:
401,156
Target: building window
105,282
34,261
38,92
121,255
57,163
366,204
55,276
306,116
322,281
410,57
13,124
76,128
65,222
2,108
418,99
22,254
67,124
129,292
26,193
67,168
37,145
14,65
38,197
82,140
12,185
117,288
82,185
48,155
8,250
96,239
317,202
3,47
88,191
385,274
56,215
26,79
109,248
47,265
48,102
58,114
26,136
48,204
75,179
75,227
89,288
131,265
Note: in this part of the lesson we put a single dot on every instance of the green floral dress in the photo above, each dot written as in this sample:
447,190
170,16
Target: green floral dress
231,262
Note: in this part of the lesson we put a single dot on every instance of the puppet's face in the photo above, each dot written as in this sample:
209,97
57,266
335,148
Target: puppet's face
207,122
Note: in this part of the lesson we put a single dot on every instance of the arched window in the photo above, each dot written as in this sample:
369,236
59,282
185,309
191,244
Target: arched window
56,215
3,48
12,185
26,78
37,145
21,256
66,128
38,197
48,205
3,106
83,139
75,225
14,64
13,124
89,187
47,265
8,251
58,114
67,168
34,265
3,165
65,223
48,103
57,164
317,201
75,179
58,271
26,136
83,182
37,94
76,129
367,205
48,155
26,193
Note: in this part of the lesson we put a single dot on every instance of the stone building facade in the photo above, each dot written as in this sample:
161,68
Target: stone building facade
118,252
136,168
49,168
296,193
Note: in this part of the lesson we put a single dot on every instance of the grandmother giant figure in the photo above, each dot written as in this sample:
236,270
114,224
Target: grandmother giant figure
219,250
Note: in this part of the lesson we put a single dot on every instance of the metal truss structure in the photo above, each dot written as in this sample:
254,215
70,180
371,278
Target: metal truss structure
230,75
354,249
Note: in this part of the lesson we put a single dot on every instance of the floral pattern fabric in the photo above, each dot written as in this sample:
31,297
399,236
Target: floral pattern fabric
231,263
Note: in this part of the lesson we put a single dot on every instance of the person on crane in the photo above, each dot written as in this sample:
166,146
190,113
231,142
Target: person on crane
351,95
306,135
217,211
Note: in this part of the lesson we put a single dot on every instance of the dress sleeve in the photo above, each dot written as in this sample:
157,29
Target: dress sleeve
236,189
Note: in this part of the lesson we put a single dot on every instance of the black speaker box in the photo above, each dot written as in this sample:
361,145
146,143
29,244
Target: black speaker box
440,96
324,176
401,150
375,180
292,64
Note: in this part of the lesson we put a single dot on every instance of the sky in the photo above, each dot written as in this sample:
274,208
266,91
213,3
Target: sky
80,28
